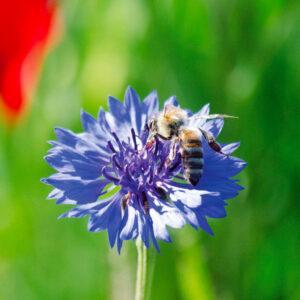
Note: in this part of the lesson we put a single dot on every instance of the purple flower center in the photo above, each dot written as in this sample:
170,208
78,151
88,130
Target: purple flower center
139,168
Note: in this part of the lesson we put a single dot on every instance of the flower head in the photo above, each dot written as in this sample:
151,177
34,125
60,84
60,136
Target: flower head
126,186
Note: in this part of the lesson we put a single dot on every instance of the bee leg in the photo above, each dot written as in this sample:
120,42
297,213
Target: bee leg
172,153
211,141
150,140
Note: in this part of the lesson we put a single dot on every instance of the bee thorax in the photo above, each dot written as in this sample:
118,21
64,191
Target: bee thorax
168,128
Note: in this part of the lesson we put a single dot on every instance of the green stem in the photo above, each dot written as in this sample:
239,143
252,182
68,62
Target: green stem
145,265
150,262
141,276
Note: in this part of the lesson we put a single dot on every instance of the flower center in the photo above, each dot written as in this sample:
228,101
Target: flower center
138,168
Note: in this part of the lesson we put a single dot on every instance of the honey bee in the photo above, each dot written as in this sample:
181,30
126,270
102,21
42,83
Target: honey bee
169,126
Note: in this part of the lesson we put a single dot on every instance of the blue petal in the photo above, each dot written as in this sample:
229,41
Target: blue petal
119,243
228,188
81,151
108,216
217,164
91,146
159,226
129,224
66,201
150,104
198,122
150,225
68,161
162,215
212,208
160,230
65,136
60,196
188,214
142,223
83,143
85,209
193,203
214,126
188,197
105,214
59,164
214,211
149,107
54,194
117,109
81,191
133,108
87,170
143,228
171,101
92,126
229,148
169,214
203,224
224,166
102,120
89,123
119,119
98,224
114,223
204,110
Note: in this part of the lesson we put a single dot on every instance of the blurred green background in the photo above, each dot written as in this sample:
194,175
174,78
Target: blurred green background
243,58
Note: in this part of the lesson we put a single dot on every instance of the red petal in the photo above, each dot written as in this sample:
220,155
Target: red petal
27,28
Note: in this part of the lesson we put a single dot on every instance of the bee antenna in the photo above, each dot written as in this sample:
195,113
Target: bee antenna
209,117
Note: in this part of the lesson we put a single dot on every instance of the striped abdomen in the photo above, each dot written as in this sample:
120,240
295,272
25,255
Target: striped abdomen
192,157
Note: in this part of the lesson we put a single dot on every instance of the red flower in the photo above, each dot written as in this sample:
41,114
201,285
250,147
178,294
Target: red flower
26,31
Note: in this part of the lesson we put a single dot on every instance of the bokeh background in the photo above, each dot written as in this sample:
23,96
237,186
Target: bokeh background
241,56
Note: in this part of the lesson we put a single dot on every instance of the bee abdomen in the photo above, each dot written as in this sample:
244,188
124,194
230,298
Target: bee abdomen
193,175
193,163
192,152
192,159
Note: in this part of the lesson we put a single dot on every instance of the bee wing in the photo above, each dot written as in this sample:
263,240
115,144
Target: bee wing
208,117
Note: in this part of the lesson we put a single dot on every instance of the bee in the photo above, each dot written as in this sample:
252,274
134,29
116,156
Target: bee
169,125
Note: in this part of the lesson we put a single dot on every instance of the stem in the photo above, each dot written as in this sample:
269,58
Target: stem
141,276
145,265
150,262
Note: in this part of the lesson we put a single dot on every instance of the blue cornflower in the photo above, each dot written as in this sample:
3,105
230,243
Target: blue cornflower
126,187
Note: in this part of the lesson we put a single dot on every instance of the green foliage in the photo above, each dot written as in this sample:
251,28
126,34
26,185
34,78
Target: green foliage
243,58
